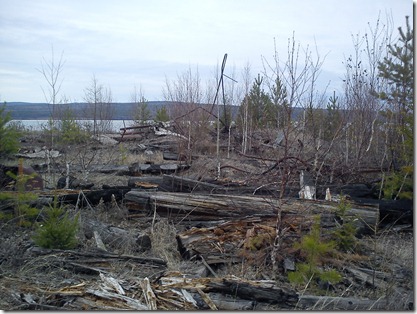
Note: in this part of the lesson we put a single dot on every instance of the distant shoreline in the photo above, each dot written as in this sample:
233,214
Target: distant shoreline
41,111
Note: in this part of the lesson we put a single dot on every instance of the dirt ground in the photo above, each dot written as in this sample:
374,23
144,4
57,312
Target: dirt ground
29,275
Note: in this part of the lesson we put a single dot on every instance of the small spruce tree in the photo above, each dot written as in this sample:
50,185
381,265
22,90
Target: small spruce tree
162,115
398,69
9,136
314,249
58,231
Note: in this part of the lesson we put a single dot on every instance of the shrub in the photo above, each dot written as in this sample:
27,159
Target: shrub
71,130
58,230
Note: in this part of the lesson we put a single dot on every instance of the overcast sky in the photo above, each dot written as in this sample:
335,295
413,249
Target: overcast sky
126,43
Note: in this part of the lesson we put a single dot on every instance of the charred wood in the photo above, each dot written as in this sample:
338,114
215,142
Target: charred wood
174,183
92,197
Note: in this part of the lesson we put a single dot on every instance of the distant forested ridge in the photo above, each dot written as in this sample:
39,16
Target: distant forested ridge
122,111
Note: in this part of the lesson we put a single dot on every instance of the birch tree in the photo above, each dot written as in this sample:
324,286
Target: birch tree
191,117
51,71
362,103
99,106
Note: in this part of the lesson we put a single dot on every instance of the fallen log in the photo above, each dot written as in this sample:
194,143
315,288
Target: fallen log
92,197
325,303
259,291
250,227
116,169
73,254
180,206
368,278
94,262
183,184
202,207
174,183
173,156
138,169
227,303
135,182
391,211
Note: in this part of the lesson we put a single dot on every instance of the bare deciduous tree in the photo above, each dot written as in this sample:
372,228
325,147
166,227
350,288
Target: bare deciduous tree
99,108
188,112
244,116
361,100
51,70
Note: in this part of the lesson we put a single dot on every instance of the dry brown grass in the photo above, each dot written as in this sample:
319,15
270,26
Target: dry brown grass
164,243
